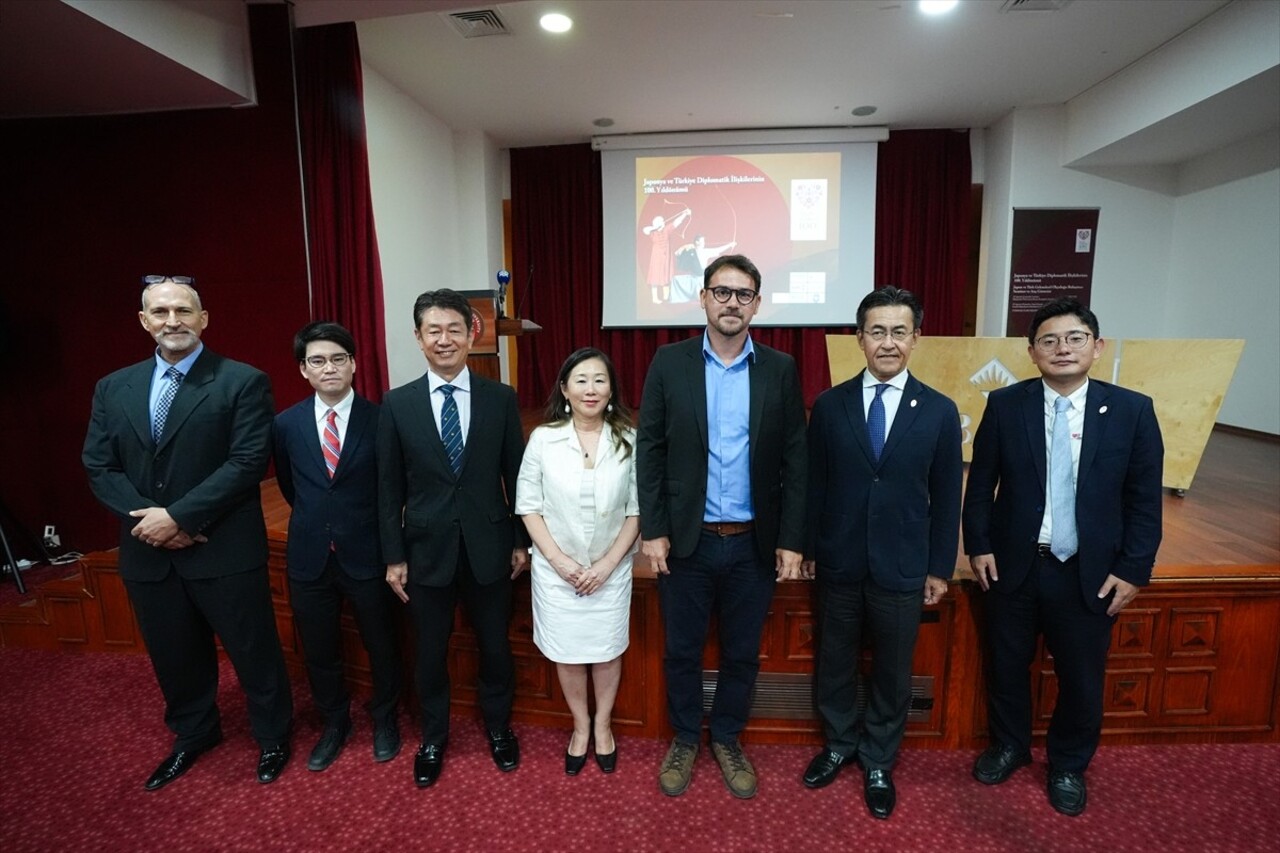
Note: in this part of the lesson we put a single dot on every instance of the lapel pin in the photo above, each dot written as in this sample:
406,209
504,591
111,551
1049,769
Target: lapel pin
913,403
1102,411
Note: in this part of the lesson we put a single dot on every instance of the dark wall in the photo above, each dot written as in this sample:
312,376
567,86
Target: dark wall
87,206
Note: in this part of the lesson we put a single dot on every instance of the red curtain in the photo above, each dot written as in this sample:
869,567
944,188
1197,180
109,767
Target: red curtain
346,276
922,243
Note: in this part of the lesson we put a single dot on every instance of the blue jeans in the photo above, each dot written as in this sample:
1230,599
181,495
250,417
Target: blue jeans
724,575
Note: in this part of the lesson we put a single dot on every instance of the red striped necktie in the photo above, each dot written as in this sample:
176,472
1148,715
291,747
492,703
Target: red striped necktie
331,447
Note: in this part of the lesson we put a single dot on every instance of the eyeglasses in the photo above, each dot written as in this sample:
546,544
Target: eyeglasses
1073,340
338,359
878,335
722,294
149,280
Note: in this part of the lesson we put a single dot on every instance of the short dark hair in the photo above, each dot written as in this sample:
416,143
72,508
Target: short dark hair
619,418
887,297
322,330
741,263
1058,308
444,299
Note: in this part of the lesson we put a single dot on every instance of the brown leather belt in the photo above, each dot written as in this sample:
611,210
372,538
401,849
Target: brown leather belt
728,528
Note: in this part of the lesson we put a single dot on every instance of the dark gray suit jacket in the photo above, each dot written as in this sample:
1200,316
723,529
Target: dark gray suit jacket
206,470
672,452
898,518
426,511
1118,486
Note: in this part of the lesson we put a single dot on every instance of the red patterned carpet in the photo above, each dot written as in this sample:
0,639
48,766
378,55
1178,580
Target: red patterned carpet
81,733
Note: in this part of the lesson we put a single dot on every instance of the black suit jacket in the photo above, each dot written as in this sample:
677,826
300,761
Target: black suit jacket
897,519
672,453
342,510
425,510
206,469
1118,484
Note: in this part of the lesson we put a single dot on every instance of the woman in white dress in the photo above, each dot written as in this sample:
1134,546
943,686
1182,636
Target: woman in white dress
577,496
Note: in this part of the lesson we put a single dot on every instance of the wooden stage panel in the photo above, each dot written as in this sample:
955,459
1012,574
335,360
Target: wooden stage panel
1195,658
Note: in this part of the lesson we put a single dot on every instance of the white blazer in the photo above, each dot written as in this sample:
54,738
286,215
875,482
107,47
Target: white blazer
550,485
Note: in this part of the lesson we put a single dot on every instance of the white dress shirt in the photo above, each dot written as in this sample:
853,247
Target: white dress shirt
342,409
462,396
890,397
1075,420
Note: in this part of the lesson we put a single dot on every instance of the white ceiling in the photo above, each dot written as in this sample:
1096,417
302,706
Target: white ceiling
668,65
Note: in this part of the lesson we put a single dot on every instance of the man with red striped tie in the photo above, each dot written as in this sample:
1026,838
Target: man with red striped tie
325,466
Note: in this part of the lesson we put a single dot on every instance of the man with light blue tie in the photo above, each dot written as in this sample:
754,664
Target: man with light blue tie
1062,519
449,449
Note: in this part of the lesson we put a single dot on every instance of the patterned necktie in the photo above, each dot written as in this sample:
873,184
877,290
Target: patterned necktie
166,400
331,447
875,422
1062,542
451,428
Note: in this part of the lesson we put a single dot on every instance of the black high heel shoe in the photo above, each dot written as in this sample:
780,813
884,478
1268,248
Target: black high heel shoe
573,764
608,761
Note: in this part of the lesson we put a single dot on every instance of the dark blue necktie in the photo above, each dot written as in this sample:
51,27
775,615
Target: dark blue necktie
451,428
174,377
875,422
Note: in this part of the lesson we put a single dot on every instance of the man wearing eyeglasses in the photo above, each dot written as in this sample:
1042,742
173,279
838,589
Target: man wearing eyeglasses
721,468
327,471
176,448
1062,519
885,475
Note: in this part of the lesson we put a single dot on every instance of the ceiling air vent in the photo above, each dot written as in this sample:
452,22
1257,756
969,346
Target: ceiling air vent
1034,5
477,23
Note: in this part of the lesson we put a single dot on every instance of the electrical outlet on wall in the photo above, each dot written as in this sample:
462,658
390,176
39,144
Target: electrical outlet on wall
51,537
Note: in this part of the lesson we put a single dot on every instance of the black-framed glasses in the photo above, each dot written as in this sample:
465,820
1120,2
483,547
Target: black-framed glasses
338,359
148,280
745,296
1073,340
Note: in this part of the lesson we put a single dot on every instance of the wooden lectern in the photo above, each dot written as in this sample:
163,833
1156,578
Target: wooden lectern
489,329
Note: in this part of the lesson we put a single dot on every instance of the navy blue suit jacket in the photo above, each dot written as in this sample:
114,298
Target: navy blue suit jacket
342,510
1118,485
897,519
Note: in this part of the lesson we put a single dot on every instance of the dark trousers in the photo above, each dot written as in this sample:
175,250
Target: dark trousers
1050,602
488,609
179,618
892,621
317,613
723,575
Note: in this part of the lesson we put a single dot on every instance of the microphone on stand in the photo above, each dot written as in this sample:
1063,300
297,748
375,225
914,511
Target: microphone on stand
504,278
524,295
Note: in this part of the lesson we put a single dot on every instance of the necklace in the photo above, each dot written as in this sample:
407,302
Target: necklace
586,454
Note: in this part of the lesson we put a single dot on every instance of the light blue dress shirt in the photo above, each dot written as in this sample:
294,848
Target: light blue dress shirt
728,435
158,381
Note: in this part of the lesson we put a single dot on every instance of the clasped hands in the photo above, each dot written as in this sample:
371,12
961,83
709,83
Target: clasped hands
585,580
158,529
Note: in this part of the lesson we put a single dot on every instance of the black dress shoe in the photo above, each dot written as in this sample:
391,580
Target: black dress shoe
386,742
573,764
505,749
1067,793
998,762
177,763
880,793
824,768
608,761
331,742
271,762
427,765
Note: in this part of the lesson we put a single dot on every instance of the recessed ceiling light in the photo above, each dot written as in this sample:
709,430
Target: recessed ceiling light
937,7
603,122
554,22
864,110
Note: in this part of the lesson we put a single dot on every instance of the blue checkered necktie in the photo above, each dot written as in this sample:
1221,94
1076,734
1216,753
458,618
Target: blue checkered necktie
875,422
174,376
451,428
1062,541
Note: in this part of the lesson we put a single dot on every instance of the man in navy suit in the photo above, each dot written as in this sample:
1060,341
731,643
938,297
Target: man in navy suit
176,449
449,451
1062,519
327,471
884,520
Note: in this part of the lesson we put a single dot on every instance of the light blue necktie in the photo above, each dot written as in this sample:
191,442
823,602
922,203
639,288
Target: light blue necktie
1063,540
451,428
174,376
875,422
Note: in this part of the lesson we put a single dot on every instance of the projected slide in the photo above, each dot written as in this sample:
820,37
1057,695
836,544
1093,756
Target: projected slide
785,211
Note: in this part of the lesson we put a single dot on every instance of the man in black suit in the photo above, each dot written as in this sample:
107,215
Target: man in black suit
176,448
884,520
327,471
1062,519
449,451
720,472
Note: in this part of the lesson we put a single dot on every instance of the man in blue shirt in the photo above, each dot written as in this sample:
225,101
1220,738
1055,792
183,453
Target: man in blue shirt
721,473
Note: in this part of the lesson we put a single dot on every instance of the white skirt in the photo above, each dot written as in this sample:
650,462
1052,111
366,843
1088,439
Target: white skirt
569,628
